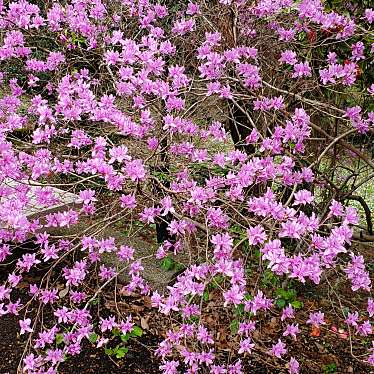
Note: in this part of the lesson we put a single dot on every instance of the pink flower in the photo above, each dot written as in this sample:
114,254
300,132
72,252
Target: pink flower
119,154
302,69
316,319
357,273
48,296
288,57
256,235
135,170
29,363
87,196
25,326
292,330
303,197
107,324
246,346
370,307
233,296
170,367
293,366
369,15
128,201
279,349
203,335
352,319
288,312
364,329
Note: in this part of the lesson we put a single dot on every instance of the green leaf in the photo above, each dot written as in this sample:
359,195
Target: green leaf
95,301
206,295
116,332
179,267
239,311
59,339
121,352
280,303
301,36
108,351
167,263
345,311
137,331
234,326
125,337
93,337
330,368
286,294
248,297
297,304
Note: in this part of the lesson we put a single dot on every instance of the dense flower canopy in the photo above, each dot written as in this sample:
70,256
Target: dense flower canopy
112,100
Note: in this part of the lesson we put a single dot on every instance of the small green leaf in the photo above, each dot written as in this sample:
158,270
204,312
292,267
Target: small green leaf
116,332
248,297
167,263
93,337
301,36
234,326
125,337
345,311
59,339
108,351
297,304
137,331
95,301
206,295
280,303
239,311
121,352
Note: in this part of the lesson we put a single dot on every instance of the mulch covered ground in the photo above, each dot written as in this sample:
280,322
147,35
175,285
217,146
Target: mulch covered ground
326,352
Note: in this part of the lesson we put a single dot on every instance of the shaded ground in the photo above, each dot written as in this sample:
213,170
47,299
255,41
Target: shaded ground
139,359
326,353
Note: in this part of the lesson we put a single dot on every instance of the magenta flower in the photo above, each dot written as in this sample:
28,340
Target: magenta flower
256,235
293,366
246,346
352,319
30,362
369,15
169,367
303,197
292,330
135,170
233,296
107,324
25,326
370,307
364,329
288,312
316,319
279,349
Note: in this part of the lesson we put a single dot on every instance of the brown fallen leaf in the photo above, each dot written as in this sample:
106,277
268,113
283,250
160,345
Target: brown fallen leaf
144,323
147,302
124,292
315,331
63,292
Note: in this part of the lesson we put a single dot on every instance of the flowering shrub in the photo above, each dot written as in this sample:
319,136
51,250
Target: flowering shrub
124,103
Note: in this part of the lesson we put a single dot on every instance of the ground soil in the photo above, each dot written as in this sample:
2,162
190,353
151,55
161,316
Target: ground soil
326,353
139,359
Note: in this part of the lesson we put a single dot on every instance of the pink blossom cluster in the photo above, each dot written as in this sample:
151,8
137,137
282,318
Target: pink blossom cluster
115,106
